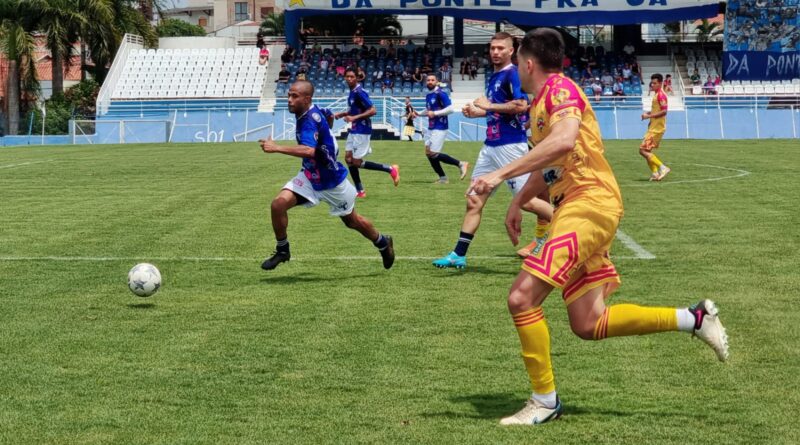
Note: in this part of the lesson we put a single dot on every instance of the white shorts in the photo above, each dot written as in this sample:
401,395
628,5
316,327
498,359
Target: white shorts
493,158
434,140
341,199
359,145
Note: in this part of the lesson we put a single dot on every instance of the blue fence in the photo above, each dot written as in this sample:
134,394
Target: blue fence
231,121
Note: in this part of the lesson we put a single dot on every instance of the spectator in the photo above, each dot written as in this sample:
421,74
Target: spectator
263,55
417,76
410,47
464,68
390,66
340,68
284,75
695,77
447,52
388,82
317,48
446,73
304,65
626,71
473,68
586,74
597,88
358,38
426,69
567,62
391,52
667,87
406,75
591,62
618,88
709,86
629,50
323,64
377,74
360,74
286,57
717,80
301,74
607,79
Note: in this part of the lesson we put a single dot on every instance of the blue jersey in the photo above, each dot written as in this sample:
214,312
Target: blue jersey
359,102
323,170
437,100
502,129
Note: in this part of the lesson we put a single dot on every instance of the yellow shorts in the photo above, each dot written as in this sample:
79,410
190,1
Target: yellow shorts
408,130
651,140
575,256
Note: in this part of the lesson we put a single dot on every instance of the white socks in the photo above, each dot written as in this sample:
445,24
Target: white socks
548,400
685,320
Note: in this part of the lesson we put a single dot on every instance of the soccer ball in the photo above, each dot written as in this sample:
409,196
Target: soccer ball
144,279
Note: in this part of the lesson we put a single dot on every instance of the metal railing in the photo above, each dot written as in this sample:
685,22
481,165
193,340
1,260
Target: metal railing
129,42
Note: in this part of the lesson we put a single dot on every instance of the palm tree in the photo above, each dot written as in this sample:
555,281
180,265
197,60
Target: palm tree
273,25
59,21
706,30
17,43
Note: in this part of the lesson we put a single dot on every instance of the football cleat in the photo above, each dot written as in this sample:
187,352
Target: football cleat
654,177
534,413
388,253
361,194
442,181
395,173
708,327
464,167
451,260
276,258
663,171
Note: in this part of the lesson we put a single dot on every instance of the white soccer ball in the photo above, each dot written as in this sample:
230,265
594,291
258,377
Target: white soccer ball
144,279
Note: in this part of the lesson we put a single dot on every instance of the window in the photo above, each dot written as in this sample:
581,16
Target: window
202,21
240,11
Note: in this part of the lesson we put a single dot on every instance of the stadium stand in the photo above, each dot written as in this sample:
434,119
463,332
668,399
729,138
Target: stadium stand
191,73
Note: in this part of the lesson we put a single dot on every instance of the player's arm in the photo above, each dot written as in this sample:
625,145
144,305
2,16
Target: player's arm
532,188
340,114
299,151
369,113
560,141
516,106
471,111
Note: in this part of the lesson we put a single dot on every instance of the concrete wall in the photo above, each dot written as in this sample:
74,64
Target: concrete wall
196,42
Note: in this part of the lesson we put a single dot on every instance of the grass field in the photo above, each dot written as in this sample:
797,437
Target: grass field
331,348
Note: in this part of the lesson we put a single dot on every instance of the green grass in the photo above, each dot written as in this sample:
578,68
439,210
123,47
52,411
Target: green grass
328,350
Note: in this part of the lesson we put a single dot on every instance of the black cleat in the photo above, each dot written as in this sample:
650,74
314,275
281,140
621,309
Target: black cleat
388,253
276,258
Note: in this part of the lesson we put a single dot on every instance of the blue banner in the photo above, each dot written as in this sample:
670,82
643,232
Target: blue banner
760,65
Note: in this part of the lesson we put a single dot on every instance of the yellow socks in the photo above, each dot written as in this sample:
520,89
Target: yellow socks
542,226
629,319
657,162
535,340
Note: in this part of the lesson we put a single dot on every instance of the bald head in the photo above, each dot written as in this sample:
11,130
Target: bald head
300,94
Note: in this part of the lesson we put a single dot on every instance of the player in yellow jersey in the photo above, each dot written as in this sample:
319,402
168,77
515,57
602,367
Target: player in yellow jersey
569,160
656,129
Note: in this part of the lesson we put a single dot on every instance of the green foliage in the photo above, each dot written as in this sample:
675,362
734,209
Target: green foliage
178,28
332,349
273,24
76,102
706,30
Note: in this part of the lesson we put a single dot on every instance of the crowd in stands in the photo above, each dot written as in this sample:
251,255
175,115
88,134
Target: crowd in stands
602,73
385,69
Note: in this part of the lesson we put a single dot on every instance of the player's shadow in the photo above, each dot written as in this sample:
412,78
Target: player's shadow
141,305
305,277
500,269
495,406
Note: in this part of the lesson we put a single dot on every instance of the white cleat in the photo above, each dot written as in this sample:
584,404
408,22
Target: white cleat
463,167
709,328
533,413
663,171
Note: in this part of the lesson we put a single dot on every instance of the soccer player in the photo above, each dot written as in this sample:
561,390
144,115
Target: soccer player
438,104
569,159
357,148
505,140
655,130
321,178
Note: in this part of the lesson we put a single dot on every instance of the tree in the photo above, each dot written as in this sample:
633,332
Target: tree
707,30
273,25
17,43
178,28
59,21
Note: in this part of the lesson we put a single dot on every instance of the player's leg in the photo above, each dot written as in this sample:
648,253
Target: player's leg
362,149
279,209
472,220
525,304
541,207
383,243
342,200
591,319
646,151
437,144
436,165
353,164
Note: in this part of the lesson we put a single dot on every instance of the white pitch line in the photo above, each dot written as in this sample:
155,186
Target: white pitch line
641,252
242,259
24,163
739,174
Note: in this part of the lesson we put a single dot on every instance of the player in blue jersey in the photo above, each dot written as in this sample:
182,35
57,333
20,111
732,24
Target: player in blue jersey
506,141
438,104
322,178
360,109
